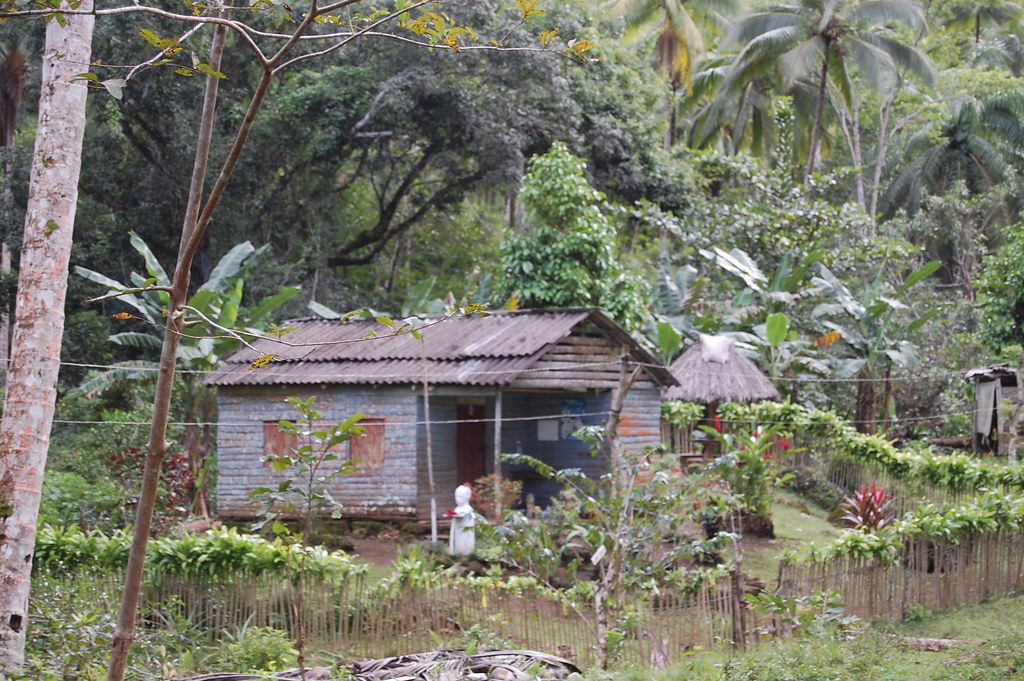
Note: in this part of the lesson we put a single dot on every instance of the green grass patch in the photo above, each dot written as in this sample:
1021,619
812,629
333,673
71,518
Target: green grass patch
796,523
986,622
868,655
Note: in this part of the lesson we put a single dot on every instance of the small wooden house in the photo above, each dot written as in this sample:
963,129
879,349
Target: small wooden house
992,385
519,381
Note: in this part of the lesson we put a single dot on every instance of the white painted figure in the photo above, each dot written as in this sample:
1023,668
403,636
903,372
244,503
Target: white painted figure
462,539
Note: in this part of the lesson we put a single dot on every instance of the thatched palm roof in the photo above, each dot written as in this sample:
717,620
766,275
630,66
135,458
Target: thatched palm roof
711,370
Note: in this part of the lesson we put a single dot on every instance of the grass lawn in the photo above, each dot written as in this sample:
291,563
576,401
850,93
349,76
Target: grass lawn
993,650
797,522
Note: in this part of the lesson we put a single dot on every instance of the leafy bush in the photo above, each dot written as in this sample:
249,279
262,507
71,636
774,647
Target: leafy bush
993,511
69,499
257,649
72,623
218,553
954,472
681,414
807,483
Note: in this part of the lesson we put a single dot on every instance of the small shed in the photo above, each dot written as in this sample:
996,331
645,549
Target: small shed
710,372
513,381
992,385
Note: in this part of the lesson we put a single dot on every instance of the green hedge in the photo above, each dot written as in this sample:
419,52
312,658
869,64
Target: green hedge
217,553
992,511
955,472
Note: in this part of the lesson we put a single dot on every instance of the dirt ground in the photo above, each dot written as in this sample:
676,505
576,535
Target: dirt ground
379,551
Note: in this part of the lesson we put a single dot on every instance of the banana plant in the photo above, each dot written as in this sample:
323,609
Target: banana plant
217,308
866,343
670,318
783,353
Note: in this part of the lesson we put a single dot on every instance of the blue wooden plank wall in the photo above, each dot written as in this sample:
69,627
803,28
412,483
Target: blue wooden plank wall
400,488
389,491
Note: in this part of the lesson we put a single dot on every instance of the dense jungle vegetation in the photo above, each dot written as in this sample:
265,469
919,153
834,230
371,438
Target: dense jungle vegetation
834,184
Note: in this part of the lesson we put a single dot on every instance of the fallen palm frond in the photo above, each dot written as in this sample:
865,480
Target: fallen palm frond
442,665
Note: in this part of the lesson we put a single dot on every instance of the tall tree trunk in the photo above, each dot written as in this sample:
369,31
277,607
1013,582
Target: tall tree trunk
881,146
157,446
812,150
864,411
39,318
670,135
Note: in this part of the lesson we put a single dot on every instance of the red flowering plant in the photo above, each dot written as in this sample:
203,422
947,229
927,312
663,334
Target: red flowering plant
751,469
869,509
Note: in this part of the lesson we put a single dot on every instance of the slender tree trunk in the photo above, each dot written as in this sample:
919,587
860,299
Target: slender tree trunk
39,318
158,446
670,134
881,146
812,150
626,380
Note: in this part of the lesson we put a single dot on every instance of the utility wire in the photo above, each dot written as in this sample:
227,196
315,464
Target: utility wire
377,377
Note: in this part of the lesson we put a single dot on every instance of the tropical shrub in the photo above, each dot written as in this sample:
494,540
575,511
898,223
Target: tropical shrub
751,471
991,512
256,649
954,472
216,554
869,510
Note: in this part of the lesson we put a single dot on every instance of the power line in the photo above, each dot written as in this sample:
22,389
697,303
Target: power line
377,377
545,417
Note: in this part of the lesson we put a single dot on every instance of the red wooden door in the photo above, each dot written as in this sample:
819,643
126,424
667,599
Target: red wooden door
469,442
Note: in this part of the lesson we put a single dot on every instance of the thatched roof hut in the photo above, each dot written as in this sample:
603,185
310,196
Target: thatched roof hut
711,371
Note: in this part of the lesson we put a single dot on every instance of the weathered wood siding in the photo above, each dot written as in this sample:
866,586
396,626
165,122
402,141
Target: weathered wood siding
640,422
385,492
587,359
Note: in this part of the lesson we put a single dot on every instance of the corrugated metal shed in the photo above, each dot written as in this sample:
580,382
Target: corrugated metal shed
473,350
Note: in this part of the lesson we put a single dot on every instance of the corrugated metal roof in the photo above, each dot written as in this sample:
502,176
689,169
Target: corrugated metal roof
473,350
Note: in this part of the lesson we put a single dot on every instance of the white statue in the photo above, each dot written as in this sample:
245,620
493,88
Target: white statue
462,539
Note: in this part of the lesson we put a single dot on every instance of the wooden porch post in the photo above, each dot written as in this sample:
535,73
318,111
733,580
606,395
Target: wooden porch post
497,454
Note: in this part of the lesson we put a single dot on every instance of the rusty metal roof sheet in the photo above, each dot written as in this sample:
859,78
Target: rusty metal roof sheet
472,350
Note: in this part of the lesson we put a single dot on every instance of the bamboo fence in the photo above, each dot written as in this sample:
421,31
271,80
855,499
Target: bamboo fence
360,620
930,575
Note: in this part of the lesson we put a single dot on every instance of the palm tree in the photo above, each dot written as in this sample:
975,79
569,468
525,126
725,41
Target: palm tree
972,146
680,26
818,40
998,13
732,119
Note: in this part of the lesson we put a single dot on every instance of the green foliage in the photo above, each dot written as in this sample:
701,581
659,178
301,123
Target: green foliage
683,415
309,468
217,554
256,649
69,638
569,258
814,615
625,525
94,472
954,472
69,499
991,512
1001,293
749,467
